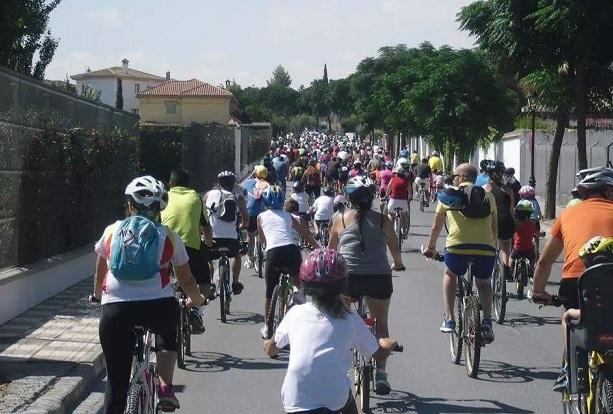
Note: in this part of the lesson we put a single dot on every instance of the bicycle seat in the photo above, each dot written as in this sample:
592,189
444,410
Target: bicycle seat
398,209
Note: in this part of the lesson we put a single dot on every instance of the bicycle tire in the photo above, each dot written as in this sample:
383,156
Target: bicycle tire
276,303
455,338
603,394
398,230
422,201
181,338
574,404
499,285
472,320
521,273
260,259
136,399
365,388
222,293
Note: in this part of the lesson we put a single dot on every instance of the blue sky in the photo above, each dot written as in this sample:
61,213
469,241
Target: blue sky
243,39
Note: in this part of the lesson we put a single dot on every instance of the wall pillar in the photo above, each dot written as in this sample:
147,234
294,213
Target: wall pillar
238,162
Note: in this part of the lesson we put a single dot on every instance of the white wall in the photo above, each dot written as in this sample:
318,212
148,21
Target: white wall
108,87
511,152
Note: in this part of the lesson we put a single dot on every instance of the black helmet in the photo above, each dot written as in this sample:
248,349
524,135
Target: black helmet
298,187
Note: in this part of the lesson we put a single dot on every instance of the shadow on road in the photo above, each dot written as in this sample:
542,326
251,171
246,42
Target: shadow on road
405,402
218,362
244,318
522,319
495,371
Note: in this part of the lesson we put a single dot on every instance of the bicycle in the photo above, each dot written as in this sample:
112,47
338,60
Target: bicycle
184,330
363,368
521,275
499,288
260,256
398,230
324,232
224,286
279,303
423,196
467,333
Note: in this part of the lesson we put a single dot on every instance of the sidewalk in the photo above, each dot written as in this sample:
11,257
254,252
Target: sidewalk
50,354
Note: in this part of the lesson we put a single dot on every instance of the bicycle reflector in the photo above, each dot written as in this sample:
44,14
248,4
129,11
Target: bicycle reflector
370,322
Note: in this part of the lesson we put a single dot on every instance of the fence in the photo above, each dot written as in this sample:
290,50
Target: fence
61,159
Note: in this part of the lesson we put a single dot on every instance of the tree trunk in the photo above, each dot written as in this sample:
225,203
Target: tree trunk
552,173
581,98
329,124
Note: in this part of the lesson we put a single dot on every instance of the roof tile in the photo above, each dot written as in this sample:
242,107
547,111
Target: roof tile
192,87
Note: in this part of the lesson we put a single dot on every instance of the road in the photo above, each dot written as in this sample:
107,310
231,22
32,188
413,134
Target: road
228,371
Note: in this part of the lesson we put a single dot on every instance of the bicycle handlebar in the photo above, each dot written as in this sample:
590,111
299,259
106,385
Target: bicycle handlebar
556,301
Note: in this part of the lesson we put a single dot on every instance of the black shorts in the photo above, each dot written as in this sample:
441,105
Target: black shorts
506,229
280,259
313,190
373,286
231,244
252,227
199,265
569,292
526,254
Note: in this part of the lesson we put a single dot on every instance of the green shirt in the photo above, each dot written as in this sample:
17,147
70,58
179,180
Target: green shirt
184,215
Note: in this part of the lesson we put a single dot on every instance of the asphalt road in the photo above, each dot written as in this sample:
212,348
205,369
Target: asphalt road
228,371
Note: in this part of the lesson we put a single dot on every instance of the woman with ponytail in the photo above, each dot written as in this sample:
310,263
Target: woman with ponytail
361,236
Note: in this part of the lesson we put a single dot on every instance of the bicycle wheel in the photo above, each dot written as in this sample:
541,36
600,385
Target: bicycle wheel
276,312
398,231
422,200
137,403
365,387
455,338
472,335
260,258
574,404
183,339
603,395
223,291
499,286
521,275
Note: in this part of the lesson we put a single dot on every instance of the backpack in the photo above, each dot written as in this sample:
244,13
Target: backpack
469,200
135,249
226,208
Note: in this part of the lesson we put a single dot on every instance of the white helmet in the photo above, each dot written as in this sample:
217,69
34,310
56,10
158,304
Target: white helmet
154,191
435,153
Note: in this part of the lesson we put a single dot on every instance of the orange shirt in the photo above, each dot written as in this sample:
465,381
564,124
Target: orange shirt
576,226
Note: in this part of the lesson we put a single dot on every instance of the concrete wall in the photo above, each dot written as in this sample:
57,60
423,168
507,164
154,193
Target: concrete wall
189,109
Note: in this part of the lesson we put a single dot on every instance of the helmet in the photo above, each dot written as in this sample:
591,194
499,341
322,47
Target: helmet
147,190
527,191
329,191
226,178
484,164
598,250
399,170
313,162
435,153
404,153
261,172
596,179
274,197
524,205
499,167
301,151
389,165
323,266
360,191
298,187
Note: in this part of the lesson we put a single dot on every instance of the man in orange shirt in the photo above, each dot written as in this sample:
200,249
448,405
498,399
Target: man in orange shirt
572,230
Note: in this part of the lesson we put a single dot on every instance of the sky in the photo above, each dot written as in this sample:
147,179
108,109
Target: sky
244,40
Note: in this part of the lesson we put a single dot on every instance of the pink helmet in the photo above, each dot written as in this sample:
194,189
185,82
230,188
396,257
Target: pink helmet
527,191
323,266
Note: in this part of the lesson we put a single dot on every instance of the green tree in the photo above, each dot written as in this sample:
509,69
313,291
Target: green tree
119,95
280,77
24,34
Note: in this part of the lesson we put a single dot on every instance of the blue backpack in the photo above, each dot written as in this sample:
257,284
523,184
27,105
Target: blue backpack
135,249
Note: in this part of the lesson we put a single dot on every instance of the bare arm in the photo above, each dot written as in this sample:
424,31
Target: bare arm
101,269
188,284
437,226
543,268
392,242
261,232
305,233
386,346
242,208
335,232
495,226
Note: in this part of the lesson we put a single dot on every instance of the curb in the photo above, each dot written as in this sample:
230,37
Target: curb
66,391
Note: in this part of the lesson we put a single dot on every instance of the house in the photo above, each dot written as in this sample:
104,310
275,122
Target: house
184,102
105,80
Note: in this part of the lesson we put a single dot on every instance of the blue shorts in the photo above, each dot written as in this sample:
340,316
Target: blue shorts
458,264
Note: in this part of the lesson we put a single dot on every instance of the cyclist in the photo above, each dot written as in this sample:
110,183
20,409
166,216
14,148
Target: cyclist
253,188
403,158
184,215
423,174
312,179
322,334
525,232
510,181
385,177
302,198
361,236
225,204
574,227
279,164
469,238
275,228
357,169
414,160
127,302
505,203
400,193
323,209
435,162
483,178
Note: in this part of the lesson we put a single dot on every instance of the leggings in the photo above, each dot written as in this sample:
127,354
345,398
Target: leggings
117,338
284,258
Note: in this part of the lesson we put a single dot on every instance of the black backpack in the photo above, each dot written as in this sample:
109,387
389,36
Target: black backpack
476,203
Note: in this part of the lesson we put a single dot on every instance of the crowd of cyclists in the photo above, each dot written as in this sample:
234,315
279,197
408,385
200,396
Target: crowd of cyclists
341,206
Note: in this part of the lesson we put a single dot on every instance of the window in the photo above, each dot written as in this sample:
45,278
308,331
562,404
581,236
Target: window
171,107
136,88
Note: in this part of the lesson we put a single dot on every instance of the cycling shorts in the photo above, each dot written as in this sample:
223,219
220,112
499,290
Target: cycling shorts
323,222
458,264
313,190
425,181
524,254
284,258
395,203
569,292
231,244
506,229
252,227
199,265
373,286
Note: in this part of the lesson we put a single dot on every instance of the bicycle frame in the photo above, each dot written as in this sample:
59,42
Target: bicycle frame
143,370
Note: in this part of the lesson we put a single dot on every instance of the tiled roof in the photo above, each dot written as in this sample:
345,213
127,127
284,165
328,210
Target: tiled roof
118,72
192,87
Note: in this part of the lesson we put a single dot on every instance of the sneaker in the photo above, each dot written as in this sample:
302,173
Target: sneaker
382,386
237,288
212,292
508,274
561,383
167,400
195,320
249,263
487,331
448,326
264,332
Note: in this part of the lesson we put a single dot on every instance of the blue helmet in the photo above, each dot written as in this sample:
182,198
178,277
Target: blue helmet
404,153
274,197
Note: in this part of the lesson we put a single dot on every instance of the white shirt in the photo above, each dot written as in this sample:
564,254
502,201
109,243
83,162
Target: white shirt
278,228
401,161
115,290
221,229
303,201
324,207
320,358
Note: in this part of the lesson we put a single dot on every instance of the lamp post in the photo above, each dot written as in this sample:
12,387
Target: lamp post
532,180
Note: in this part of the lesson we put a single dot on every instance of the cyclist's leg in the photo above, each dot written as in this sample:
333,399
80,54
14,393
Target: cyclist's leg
117,340
455,266
482,270
271,275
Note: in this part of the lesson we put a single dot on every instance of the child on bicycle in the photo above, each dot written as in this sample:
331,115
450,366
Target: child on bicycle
527,192
322,334
525,231
323,209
